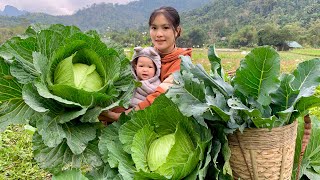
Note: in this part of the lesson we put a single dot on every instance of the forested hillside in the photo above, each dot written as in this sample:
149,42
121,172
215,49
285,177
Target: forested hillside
236,19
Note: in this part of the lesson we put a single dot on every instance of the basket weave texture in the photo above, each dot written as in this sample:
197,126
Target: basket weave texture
262,154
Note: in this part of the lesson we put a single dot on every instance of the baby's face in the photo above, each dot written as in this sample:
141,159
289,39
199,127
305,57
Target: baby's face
145,68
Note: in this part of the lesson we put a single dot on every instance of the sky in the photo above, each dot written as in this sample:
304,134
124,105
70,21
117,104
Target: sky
55,7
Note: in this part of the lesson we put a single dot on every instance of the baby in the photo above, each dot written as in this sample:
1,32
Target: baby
145,67
146,64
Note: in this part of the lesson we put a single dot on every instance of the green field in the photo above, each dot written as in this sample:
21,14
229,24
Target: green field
231,58
16,160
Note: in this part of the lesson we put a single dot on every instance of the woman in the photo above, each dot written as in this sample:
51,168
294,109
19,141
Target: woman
164,27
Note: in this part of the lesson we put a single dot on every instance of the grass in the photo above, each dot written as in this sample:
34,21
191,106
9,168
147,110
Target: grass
312,52
16,159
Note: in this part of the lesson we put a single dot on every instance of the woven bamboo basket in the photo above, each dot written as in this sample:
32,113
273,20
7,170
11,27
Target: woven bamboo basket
262,154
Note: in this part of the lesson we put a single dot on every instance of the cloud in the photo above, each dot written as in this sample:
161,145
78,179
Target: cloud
55,7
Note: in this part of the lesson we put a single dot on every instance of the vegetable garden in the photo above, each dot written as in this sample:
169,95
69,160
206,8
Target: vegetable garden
46,82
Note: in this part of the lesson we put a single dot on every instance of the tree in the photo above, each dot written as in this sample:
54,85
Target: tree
267,35
293,31
195,37
314,34
246,36
273,35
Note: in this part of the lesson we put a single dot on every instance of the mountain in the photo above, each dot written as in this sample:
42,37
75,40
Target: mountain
203,21
12,11
104,17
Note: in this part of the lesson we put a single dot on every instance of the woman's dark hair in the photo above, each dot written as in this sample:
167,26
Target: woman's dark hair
171,14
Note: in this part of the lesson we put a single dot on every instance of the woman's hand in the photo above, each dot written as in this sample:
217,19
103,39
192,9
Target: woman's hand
137,108
107,117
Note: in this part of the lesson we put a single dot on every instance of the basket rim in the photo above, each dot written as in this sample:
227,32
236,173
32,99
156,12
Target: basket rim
294,123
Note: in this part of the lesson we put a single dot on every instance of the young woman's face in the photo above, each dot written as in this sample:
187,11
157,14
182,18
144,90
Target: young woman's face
145,68
162,34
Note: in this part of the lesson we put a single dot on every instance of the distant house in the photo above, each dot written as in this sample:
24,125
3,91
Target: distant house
287,45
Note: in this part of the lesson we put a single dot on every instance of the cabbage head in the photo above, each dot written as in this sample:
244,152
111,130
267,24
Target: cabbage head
58,79
157,143
78,75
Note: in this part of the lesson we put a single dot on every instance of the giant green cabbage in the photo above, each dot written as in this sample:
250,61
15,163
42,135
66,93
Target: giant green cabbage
157,143
59,79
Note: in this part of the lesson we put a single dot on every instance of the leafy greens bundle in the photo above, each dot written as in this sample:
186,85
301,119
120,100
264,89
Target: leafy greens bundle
258,96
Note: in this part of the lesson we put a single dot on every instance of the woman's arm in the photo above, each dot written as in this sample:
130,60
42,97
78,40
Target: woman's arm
150,98
162,88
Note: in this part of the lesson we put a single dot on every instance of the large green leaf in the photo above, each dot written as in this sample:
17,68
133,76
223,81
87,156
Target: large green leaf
221,153
218,105
258,74
56,158
113,153
46,93
128,130
302,101
183,156
13,110
36,102
188,94
19,49
305,104
214,81
214,60
78,135
83,97
63,73
307,74
41,104
52,133
202,170
52,38
72,174
10,88
140,147
24,73
103,173
196,92
284,97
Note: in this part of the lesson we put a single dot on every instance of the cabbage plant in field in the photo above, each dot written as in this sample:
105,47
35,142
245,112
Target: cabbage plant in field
156,143
58,79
